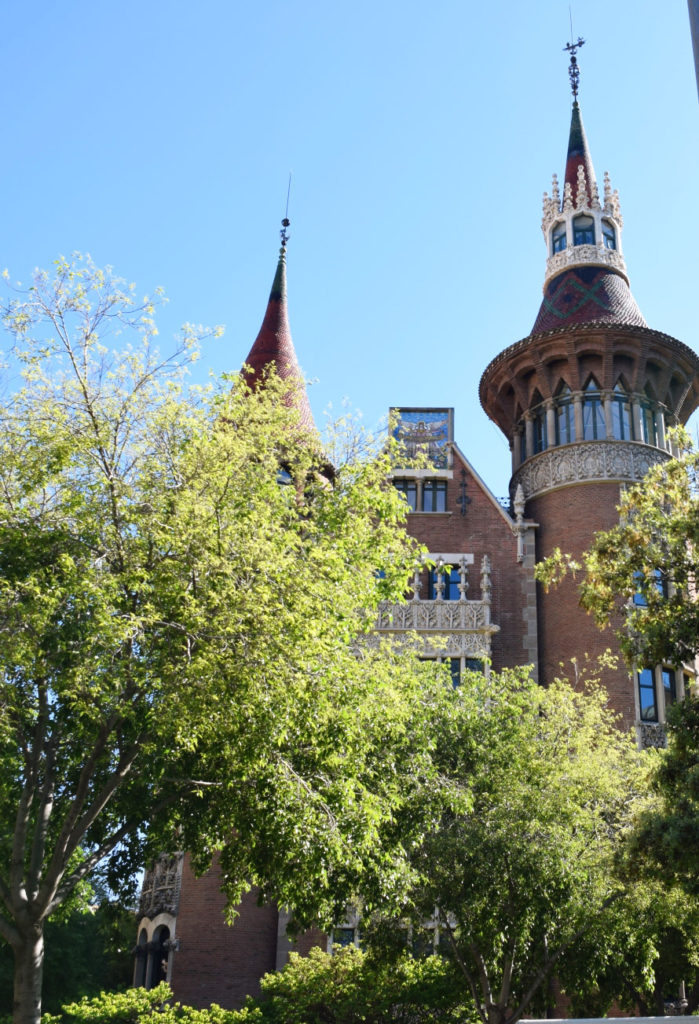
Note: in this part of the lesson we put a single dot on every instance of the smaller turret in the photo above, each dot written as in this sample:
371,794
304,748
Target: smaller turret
273,347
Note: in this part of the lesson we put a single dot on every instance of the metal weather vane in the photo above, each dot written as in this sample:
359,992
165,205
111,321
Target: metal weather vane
573,69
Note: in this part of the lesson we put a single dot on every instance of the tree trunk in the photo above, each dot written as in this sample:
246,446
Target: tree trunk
29,968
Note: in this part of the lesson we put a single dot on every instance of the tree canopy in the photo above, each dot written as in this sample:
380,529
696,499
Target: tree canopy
642,574
537,791
184,597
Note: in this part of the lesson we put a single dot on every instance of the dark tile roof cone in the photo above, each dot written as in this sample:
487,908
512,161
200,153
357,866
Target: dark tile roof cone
273,346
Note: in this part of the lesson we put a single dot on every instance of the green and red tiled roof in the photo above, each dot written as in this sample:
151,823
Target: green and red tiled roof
587,294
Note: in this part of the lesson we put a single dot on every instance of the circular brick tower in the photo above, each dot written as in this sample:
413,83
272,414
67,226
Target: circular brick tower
585,400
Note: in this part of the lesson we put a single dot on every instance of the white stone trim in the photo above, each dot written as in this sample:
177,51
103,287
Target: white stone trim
581,461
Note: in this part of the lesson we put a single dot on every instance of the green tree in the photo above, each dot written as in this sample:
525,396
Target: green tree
642,574
536,791
182,633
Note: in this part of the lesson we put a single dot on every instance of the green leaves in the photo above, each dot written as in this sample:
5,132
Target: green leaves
183,636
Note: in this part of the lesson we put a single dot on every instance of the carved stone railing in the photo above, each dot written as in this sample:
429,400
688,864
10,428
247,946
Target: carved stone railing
651,734
585,254
456,628
460,628
586,460
160,892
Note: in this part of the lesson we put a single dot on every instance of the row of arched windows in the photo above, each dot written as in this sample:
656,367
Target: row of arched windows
583,233
559,425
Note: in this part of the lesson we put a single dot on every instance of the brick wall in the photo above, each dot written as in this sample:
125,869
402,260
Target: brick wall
216,962
568,518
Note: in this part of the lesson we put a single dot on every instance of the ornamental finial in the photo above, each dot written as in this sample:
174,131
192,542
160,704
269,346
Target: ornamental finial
573,69
284,234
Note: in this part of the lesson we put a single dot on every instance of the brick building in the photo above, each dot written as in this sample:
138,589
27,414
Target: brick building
585,401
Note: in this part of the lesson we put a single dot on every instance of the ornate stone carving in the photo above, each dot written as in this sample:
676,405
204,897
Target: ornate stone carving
434,616
577,254
586,460
652,734
160,892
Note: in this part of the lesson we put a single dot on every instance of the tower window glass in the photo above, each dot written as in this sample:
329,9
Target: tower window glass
558,237
583,230
622,419
565,418
608,234
649,423
540,431
594,428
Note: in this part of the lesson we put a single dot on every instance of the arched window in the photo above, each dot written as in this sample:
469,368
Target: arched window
622,418
565,418
540,430
139,976
160,950
594,428
584,230
558,237
608,234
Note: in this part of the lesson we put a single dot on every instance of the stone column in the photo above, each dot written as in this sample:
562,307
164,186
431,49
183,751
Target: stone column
607,405
517,448
529,433
660,420
578,414
550,423
636,417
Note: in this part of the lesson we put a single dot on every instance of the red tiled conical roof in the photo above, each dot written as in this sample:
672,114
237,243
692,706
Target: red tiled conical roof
587,294
273,346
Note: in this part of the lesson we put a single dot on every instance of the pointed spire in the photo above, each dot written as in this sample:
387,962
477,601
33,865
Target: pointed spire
579,156
273,345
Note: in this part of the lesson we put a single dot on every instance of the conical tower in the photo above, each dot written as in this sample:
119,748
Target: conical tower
273,347
586,400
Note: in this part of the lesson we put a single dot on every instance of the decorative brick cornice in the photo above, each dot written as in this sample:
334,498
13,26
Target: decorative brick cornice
592,327
622,461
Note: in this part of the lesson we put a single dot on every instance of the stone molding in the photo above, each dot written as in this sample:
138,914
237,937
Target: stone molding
456,628
584,461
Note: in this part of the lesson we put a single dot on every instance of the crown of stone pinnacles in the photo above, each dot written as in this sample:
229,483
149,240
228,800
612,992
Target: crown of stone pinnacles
579,228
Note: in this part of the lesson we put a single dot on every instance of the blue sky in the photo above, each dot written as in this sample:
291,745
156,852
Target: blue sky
158,136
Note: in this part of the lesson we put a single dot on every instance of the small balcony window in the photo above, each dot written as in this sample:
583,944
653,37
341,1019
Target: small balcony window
558,237
583,230
451,582
608,235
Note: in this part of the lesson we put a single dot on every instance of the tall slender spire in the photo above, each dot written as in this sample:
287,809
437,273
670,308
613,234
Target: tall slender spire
579,156
586,279
273,346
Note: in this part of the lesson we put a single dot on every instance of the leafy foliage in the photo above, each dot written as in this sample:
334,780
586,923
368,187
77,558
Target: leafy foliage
182,636
642,574
347,988
537,789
